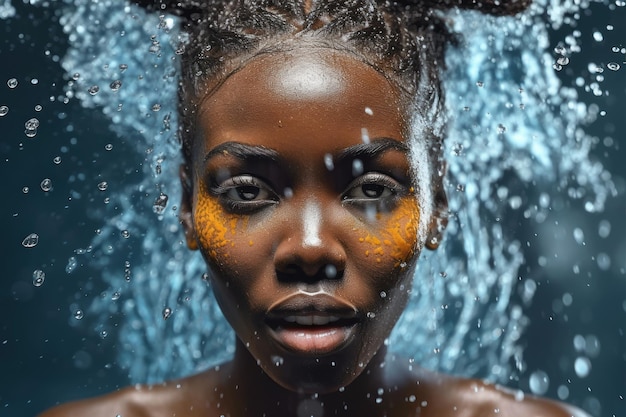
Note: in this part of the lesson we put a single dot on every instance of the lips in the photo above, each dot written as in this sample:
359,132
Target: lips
312,323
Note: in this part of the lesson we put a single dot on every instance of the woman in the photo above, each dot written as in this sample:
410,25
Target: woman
312,181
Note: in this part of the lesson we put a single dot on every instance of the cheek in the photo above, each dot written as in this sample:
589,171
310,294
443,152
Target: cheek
396,240
215,229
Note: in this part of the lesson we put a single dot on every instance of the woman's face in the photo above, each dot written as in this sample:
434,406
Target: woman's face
303,206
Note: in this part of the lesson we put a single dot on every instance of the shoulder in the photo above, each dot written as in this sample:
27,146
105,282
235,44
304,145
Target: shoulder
167,399
479,398
441,395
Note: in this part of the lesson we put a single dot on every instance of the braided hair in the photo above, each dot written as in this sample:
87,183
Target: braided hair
404,40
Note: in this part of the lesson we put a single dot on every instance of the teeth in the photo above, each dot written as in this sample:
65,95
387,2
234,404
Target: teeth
311,320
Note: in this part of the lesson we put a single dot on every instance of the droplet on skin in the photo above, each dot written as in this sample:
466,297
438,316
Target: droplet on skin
357,167
38,277
330,271
369,111
31,240
328,161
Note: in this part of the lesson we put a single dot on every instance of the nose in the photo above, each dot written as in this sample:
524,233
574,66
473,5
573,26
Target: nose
310,248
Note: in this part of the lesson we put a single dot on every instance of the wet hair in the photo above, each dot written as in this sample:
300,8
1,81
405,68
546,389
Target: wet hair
404,40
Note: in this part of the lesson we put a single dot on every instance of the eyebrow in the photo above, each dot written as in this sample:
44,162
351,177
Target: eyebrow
243,151
371,150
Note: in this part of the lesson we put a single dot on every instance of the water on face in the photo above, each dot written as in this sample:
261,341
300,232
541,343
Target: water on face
515,149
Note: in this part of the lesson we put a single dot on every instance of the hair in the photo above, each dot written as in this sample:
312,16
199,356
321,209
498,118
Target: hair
404,41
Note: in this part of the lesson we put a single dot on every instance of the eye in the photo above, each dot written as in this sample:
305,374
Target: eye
245,193
373,187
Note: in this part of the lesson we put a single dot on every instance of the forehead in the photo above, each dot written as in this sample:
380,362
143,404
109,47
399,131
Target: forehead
306,95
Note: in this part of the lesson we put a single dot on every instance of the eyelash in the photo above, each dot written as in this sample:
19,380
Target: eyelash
230,192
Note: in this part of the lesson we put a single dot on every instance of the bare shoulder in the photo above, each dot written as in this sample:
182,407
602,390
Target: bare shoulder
186,396
441,395
480,398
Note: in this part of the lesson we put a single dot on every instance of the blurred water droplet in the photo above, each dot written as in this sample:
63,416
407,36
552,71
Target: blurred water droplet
330,271
38,277
539,382
357,167
597,36
72,263
277,360
328,161
78,314
501,129
12,82
480,84
613,66
167,312
75,76
115,85
562,60
125,234
160,203
102,186
582,366
31,240
46,184
205,277
4,110
93,90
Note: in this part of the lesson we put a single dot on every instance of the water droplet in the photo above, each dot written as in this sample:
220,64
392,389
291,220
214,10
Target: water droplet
160,203
116,296
46,184
480,84
32,124
277,360
357,167
501,129
103,186
12,82
72,263
115,85
57,160
25,190
539,382
125,234
78,314
371,315
328,161
383,294
156,107
330,271
4,110
123,67
613,66
598,37
38,277
582,366
167,312
205,277
562,60
93,90
369,111
31,240
38,108
104,334
75,76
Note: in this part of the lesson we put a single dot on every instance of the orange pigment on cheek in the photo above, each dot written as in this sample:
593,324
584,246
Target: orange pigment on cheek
398,238
213,225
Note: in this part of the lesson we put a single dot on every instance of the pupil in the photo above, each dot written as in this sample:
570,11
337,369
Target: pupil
372,190
248,192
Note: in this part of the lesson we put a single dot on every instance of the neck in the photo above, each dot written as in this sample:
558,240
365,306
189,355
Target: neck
254,393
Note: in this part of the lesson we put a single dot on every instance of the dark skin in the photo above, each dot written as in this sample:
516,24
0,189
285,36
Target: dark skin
310,261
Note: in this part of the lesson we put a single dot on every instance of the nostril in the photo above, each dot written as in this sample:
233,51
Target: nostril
295,273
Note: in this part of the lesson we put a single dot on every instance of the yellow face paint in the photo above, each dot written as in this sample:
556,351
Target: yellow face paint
213,225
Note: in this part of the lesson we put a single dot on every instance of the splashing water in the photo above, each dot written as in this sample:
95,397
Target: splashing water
460,317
